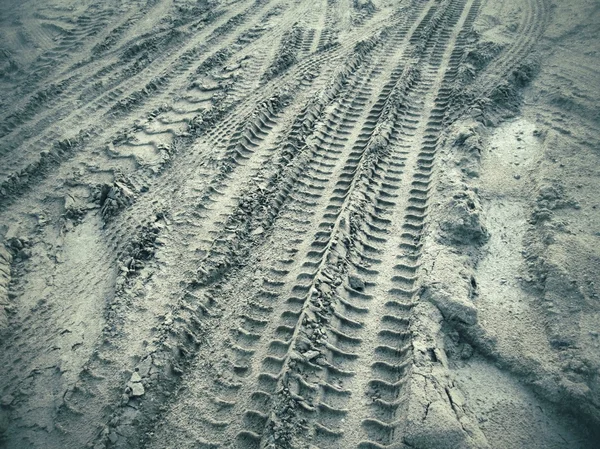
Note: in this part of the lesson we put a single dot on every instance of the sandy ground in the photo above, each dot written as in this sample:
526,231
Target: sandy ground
292,224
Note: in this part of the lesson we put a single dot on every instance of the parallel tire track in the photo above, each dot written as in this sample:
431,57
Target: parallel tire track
535,20
125,96
391,356
244,336
312,314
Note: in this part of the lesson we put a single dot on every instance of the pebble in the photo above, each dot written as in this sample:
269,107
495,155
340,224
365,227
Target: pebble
311,354
137,389
144,366
356,283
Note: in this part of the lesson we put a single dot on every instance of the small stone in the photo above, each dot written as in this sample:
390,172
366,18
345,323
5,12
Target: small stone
356,283
311,354
144,367
137,389
258,231
135,377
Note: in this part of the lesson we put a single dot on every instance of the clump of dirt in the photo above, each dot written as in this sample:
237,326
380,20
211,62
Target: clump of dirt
468,144
439,415
462,222
213,61
138,252
477,58
364,5
112,198
507,96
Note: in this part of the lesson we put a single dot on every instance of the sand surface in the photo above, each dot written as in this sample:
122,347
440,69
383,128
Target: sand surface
299,224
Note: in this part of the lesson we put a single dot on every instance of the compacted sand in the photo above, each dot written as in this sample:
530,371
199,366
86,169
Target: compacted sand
299,224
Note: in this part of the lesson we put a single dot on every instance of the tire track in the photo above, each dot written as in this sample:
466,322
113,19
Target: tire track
287,55
243,336
332,181
80,395
329,32
324,6
250,438
203,224
128,96
218,137
97,366
389,350
363,11
151,87
70,35
22,112
223,185
534,23
322,390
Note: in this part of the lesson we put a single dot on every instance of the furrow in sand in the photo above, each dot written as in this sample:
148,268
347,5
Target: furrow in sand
329,31
323,5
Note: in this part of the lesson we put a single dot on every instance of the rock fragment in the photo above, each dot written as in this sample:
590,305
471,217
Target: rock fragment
134,386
